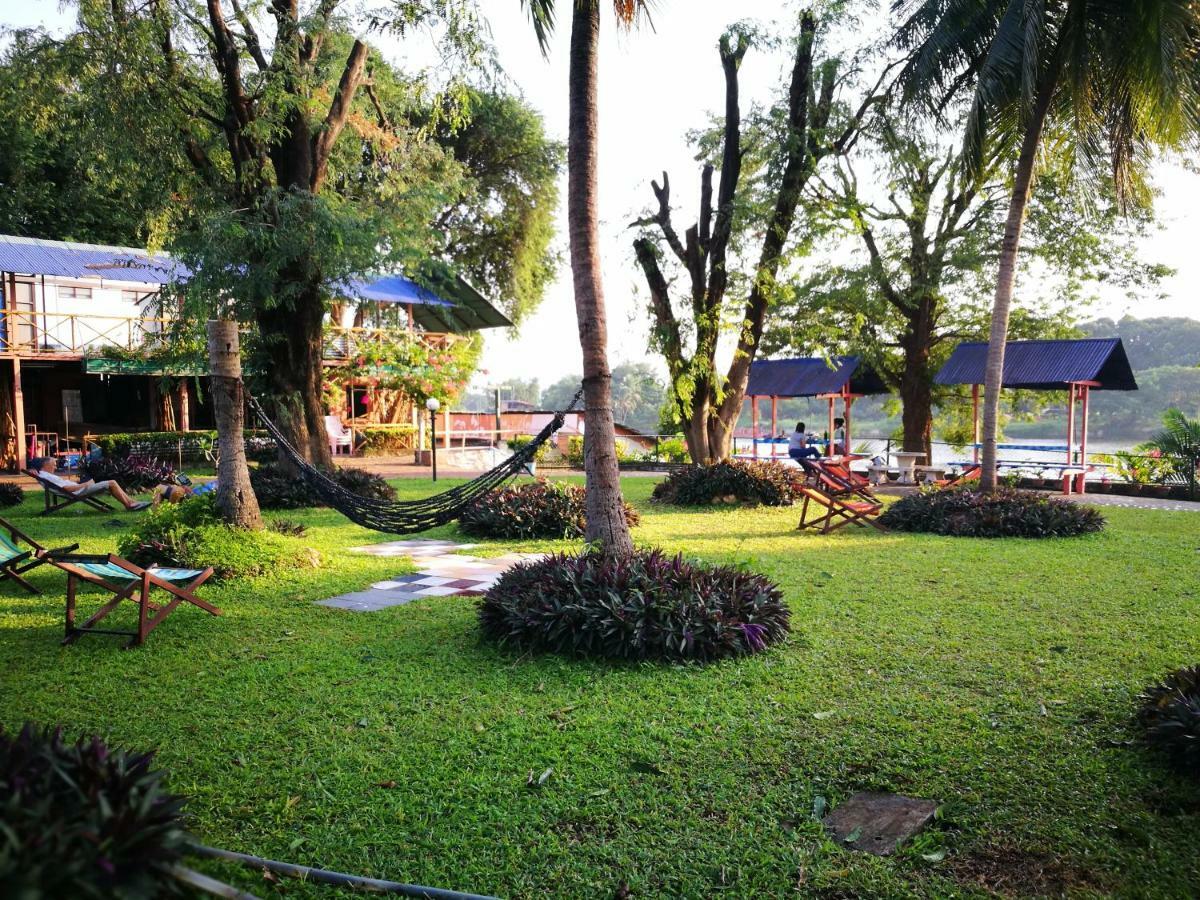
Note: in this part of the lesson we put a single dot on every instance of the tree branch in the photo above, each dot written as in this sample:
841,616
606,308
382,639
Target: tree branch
666,325
250,37
339,111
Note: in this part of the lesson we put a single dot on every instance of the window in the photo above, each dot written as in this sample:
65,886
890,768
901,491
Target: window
138,297
74,293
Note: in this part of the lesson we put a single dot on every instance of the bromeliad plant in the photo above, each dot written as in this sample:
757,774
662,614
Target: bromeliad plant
11,494
961,512
85,820
1169,713
133,472
767,483
646,606
544,509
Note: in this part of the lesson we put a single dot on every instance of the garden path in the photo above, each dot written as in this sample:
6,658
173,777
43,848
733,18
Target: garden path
442,571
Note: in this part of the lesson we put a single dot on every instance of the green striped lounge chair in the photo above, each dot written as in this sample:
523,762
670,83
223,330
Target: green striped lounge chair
128,581
16,561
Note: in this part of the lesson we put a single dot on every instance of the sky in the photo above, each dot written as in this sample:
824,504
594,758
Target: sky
655,85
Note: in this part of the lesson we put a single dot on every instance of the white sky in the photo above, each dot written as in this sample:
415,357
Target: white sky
654,86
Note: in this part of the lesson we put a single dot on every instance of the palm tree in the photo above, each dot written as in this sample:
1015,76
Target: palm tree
1108,80
606,523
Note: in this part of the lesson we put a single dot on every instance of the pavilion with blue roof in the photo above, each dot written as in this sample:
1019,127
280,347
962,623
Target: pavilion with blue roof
1078,365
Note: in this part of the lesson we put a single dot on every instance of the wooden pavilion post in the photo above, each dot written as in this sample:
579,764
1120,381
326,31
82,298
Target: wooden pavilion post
847,401
754,426
185,414
19,411
974,423
1070,423
774,420
829,443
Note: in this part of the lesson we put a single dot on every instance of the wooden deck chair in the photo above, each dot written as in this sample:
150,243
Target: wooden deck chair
969,472
15,562
128,581
836,512
58,499
836,480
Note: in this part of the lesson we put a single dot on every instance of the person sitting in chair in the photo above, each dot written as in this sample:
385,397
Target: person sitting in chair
798,446
45,469
839,438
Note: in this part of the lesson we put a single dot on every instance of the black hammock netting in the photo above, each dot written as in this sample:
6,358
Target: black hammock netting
409,516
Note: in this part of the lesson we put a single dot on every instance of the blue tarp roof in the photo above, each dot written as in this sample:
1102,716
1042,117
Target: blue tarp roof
810,376
32,256
1045,365
466,310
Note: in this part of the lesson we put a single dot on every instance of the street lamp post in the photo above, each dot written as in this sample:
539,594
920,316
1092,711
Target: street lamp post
432,405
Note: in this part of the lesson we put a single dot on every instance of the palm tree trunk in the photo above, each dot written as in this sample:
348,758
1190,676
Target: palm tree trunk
1001,306
606,524
235,496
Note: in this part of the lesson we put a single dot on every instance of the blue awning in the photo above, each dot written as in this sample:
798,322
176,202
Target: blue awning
810,376
393,289
1046,365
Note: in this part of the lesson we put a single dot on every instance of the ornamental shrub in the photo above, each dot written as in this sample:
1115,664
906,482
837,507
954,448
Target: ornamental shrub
277,488
639,607
133,472
544,509
519,441
763,482
11,494
85,820
191,534
962,512
1169,713
391,441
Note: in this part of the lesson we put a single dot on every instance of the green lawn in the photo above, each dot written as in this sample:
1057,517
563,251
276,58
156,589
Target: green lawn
997,678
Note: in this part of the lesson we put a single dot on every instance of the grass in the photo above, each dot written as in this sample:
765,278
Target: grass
996,677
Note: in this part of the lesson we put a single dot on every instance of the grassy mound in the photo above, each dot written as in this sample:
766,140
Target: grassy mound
646,606
733,481
545,509
1005,513
192,535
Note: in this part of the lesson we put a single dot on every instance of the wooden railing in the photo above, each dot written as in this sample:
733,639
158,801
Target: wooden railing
28,333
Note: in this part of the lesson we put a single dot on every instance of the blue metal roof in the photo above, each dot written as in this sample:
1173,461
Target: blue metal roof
1045,365
810,376
32,256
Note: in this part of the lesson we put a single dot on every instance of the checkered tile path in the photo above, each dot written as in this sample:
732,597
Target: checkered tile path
442,572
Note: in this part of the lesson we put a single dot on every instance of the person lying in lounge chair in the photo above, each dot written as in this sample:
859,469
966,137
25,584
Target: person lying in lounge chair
45,469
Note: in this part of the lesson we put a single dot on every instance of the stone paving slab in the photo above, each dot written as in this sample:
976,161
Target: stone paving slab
443,572
878,823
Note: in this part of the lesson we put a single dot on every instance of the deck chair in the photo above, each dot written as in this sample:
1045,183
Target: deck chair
969,472
59,499
128,581
837,512
15,562
836,480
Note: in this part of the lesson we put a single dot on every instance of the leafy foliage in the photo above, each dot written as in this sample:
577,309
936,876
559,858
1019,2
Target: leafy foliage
733,481
545,509
11,494
1169,712
192,534
517,442
961,512
644,606
133,472
406,363
277,488
84,820
638,393
386,441
1178,443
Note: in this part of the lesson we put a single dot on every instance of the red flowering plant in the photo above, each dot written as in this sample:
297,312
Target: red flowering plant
405,362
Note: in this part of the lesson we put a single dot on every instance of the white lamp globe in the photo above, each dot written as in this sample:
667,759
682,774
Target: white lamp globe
432,404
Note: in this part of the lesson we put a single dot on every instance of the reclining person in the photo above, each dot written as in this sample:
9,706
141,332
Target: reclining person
45,469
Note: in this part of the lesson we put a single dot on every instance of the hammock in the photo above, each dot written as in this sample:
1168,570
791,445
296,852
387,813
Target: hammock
409,516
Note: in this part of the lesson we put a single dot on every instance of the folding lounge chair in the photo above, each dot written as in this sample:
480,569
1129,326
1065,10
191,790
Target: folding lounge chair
969,472
128,582
836,480
835,512
57,498
15,562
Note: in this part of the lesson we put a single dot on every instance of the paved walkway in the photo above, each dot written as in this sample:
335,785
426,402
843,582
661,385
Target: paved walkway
442,572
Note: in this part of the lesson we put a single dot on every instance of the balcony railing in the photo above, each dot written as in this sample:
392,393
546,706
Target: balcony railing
26,333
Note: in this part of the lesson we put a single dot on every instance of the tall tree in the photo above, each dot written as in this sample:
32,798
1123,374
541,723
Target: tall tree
606,524
710,401
912,233
1108,81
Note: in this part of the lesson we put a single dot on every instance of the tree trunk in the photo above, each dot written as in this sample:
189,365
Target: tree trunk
235,497
1001,307
695,432
916,381
292,336
605,508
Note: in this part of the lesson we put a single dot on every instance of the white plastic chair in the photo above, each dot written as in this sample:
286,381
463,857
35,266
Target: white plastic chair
339,435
